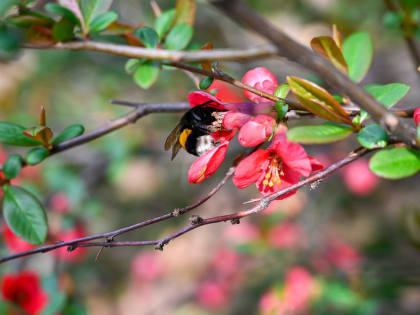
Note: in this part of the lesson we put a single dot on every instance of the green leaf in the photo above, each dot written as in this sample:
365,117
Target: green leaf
317,134
395,163
358,53
147,74
179,37
373,136
36,156
63,11
148,36
63,30
132,64
281,108
92,8
13,134
68,133
27,20
388,94
327,47
24,214
12,166
205,83
318,101
282,90
5,5
102,21
163,22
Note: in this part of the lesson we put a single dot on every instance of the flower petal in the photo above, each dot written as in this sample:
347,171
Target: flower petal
223,135
292,154
262,79
235,120
199,98
249,169
315,164
256,131
289,177
207,164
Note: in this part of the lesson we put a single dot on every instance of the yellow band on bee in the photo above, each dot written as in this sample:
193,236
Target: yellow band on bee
184,136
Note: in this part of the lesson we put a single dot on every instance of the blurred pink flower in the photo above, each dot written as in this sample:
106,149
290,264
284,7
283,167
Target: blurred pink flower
271,302
358,178
416,116
299,288
262,79
60,203
226,261
342,255
212,294
244,232
13,242
147,266
77,254
286,235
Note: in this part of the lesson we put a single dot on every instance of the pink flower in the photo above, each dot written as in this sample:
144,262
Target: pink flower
358,177
226,261
60,203
299,288
271,303
342,255
256,131
213,295
261,79
197,98
77,254
24,289
147,266
226,92
207,164
14,243
276,168
241,233
416,116
285,235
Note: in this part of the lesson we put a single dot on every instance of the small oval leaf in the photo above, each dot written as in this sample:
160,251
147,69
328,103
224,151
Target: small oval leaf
148,36
13,134
163,22
179,37
358,53
395,163
68,133
317,134
24,214
12,166
373,136
36,156
205,83
102,21
388,94
327,47
60,10
147,74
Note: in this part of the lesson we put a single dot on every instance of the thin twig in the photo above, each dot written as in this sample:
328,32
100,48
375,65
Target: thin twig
111,235
258,52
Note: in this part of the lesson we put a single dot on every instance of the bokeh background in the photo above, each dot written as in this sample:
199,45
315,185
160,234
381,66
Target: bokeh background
347,246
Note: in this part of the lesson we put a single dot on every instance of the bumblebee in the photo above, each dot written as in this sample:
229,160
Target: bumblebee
193,131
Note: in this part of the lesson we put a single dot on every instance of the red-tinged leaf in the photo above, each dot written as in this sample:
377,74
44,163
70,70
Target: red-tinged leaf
41,134
207,64
37,34
185,12
118,28
73,6
327,47
318,101
338,38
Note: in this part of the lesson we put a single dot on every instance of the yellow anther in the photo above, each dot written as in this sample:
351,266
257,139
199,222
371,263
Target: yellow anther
267,175
265,182
271,184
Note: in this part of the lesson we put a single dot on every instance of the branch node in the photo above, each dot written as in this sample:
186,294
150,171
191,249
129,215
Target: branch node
71,248
315,184
161,244
235,221
176,212
195,219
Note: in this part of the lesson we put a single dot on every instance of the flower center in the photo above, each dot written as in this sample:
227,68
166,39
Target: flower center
273,173
217,124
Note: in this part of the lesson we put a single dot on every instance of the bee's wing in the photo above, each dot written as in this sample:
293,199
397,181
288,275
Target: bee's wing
172,139
175,149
